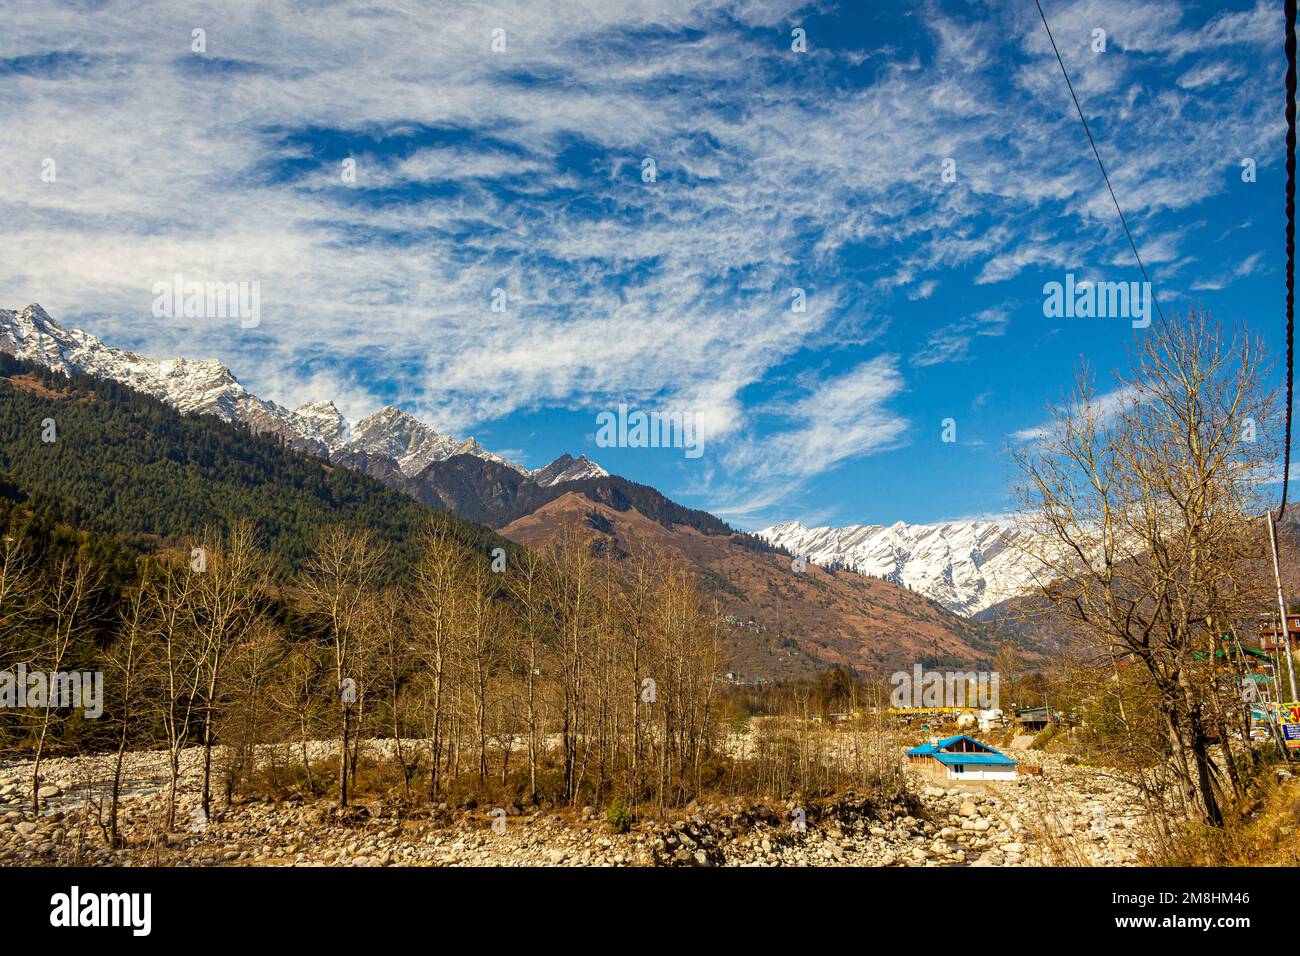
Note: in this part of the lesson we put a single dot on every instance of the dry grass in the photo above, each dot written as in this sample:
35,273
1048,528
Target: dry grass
1260,831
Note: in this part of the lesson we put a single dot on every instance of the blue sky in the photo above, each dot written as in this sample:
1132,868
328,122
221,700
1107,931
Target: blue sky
522,170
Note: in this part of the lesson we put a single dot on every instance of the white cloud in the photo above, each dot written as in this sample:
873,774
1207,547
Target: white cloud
1105,406
952,342
838,418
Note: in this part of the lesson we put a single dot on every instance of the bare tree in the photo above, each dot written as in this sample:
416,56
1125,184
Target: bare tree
225,605
339,577
17,582
19,607
127,661
636,627
299,694
1139,504
389,644
478,637
249,707
170,593
72,584
528,587
436,595
576,601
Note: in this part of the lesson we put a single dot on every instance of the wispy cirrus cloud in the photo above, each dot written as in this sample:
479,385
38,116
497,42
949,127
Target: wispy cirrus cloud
1104,407
839,417
952,342
523,171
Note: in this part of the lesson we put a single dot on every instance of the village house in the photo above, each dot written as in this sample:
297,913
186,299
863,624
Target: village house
1270,633
962,758
1034,719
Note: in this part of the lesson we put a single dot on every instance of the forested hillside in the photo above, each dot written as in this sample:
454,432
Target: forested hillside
123,463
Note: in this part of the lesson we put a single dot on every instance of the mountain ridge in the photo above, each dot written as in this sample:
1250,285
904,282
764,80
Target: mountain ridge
124,463
778,622
967,566
206,386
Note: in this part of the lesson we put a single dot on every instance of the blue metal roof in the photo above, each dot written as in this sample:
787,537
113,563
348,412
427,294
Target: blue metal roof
993,759
939,752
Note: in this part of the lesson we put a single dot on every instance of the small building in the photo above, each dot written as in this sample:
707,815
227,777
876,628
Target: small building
1271,633
1034,719
962,758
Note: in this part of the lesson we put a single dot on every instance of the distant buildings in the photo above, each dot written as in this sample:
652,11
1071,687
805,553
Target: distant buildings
1270,635
731,677
750,625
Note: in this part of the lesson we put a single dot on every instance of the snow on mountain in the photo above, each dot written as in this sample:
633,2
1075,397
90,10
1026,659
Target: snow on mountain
392,432
966,566
324,422
207,387
471,447
413,444
204,387
567,468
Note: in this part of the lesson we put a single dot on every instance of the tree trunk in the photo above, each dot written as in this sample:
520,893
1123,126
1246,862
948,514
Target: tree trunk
207,763
343,760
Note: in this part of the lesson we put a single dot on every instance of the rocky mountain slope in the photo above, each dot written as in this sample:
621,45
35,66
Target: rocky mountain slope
967,566
781,622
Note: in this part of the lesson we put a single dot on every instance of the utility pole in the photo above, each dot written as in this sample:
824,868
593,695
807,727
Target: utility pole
1281,606
1239,670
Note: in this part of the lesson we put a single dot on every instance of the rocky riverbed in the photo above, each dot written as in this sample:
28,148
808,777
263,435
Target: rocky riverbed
1064,814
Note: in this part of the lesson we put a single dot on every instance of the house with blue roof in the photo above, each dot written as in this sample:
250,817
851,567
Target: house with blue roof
961,758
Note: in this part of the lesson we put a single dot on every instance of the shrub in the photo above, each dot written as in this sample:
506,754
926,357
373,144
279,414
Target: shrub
619,817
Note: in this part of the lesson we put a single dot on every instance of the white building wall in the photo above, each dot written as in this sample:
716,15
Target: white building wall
976,772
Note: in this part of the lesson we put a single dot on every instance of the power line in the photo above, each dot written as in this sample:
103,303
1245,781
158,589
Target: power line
1104,176
1290,240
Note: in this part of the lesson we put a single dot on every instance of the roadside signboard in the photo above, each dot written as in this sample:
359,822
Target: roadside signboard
1289,717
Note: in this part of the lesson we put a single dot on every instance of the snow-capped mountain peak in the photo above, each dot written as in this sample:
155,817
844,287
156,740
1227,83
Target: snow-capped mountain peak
470,446
402,437
966,566
207,387
200,386
324,422
567,468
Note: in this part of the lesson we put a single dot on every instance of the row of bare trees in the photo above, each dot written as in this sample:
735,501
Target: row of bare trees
562,676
